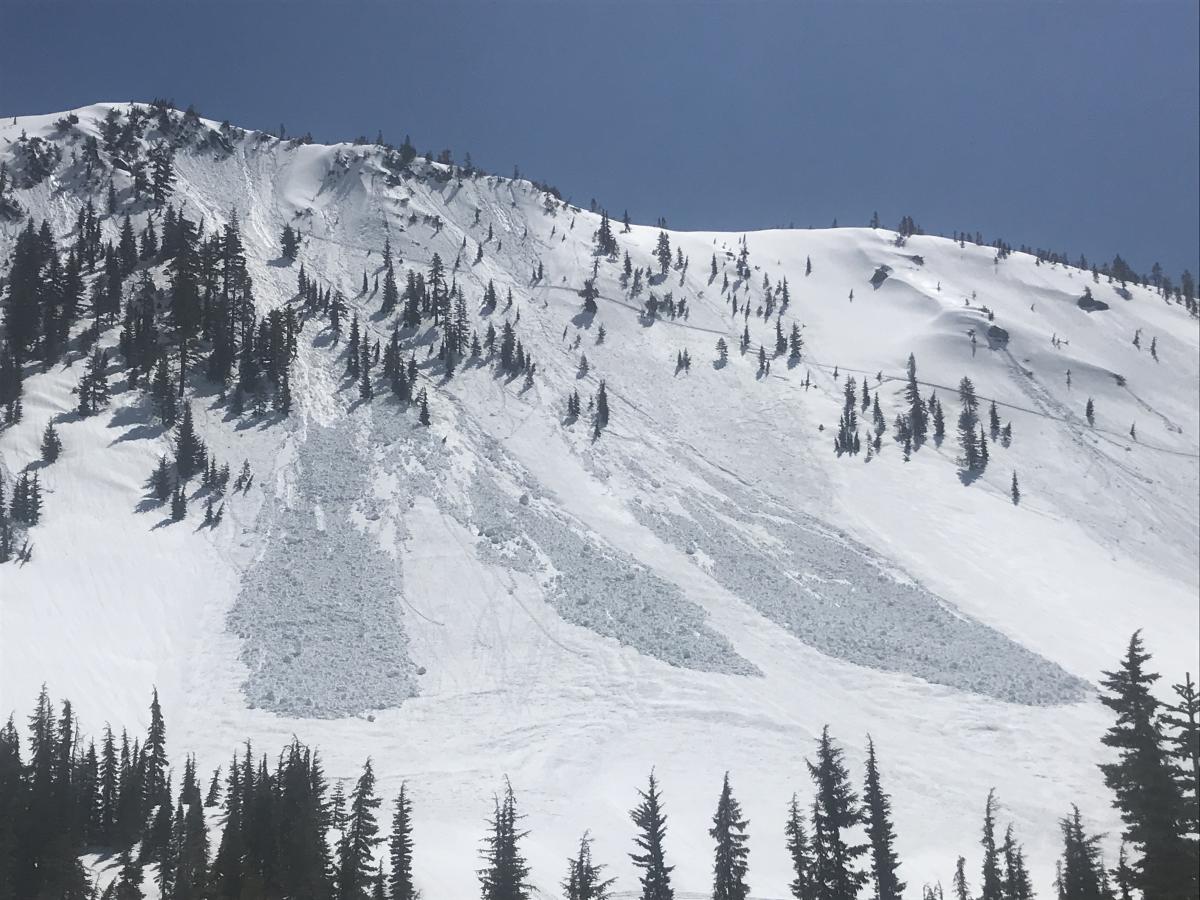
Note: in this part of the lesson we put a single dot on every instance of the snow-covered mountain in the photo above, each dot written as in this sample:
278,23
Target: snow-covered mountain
700,589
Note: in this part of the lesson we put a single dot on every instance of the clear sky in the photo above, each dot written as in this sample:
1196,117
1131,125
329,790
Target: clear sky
1068,125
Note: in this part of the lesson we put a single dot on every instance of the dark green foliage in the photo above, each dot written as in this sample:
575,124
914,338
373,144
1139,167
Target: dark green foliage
803,884
835,812
400,849
1081,873
584,880
357,847
190,453
651,822
93,386
730,862
877,807
505,873
601,417
290,242
1147,793
992,884
51,443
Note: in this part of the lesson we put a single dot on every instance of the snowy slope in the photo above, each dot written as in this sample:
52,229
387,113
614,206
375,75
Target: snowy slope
700,590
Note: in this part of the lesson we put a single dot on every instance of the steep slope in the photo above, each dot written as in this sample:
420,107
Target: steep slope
701,589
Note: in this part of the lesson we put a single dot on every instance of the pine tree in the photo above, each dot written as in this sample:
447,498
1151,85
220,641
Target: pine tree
835,811
163,393
877,808
651,822
189,451
178,503
917,418
1080,871
803,885
1146,792
992,884
1183,745
160,480
93,386
391,293
400,849
729,832
662,252
1017,885
961,890
154,753
601,417
505,872
583,880
357,847
365,389
1089,412
291,243
51,444
1015,490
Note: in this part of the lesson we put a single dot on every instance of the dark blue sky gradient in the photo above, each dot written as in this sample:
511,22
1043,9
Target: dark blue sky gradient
1069,125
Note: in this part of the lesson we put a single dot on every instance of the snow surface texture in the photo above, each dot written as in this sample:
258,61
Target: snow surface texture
318,612
836,595
700,590
597,587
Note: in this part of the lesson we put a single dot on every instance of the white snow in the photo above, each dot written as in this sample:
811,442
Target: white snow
701,590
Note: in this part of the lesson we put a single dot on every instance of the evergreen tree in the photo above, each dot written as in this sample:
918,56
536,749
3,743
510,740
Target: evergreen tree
357,847
1015,490
163,394
93,386
992,883
961,890
803,884
161,481
178,503
189,450
584,880
400,849
1183,745
505,872
1146,793
291,243
601,417
835,811
651,822
154,754
51,444
917,418
1017,885
729,832
885,863
662,252
391,293
1080,872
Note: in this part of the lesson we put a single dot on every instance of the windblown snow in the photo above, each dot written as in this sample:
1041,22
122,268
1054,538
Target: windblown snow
701,589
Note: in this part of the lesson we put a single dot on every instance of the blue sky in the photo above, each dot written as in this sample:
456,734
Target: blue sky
1074,126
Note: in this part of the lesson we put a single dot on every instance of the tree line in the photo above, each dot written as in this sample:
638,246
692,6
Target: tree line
286,834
